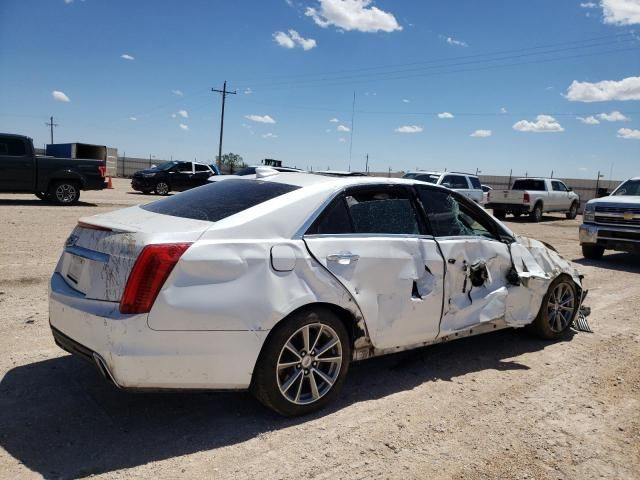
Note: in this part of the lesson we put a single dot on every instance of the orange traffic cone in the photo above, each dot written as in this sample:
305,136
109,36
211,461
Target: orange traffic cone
109,183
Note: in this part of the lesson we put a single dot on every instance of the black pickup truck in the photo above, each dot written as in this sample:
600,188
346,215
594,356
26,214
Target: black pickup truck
56,179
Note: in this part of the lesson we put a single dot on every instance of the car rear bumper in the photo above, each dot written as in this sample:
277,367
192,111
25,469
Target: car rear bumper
133,356
610,237
508,207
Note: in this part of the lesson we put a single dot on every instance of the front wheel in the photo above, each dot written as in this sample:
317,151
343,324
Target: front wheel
65,192
162,188
573,211
559,308
592,252
303,363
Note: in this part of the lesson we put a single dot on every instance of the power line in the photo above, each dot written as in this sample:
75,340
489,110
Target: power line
224,93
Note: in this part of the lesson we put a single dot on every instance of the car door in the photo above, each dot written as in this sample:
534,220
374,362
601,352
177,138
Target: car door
477,260
561,192
373,241
16,165
179,176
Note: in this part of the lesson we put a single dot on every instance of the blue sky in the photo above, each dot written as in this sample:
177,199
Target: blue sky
495,67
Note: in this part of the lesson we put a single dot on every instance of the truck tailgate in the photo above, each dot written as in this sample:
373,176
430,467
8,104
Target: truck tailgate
507,196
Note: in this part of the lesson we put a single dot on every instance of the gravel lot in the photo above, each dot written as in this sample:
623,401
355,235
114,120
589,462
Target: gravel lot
502,405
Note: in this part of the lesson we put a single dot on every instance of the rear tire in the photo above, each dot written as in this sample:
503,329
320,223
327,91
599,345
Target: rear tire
298,373
64,192
536,214
573,211
43,196
592,252
499,214
558,310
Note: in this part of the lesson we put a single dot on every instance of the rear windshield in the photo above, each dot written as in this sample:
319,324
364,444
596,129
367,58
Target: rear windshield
528,184
219,199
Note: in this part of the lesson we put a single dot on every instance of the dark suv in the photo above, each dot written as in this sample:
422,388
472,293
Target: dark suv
172,176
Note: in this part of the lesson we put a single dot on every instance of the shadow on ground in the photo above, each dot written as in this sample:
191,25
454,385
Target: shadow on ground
36,202
619,261
60,419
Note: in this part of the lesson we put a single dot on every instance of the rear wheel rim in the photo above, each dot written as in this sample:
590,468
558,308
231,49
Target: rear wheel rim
162,188
309,364
66,193
561,307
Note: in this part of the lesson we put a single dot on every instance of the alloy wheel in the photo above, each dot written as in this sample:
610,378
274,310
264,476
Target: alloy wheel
162,188
309,363
66,193
561,307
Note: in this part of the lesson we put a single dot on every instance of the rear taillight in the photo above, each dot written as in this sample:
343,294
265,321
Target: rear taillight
103,170
149,273
526,197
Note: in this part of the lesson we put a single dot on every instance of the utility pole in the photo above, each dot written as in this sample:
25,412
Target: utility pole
224,93
51,124
598,182
366,165
353,111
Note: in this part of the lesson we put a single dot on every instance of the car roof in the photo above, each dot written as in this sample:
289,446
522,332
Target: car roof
431,172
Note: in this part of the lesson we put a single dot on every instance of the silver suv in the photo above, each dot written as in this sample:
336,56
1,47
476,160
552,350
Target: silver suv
465,183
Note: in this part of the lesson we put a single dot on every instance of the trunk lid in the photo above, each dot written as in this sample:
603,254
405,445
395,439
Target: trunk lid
101,251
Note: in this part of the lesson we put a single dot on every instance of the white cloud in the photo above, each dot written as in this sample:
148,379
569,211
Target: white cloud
590,120
260,118
342,139
342,128
59,96
184,127
334,120
133,118
409,129
350,15
68,1
613,117
621,12
629,134
248,91
126,56
543,124
177,92
503,110
604,91
173,115
269,135
589,5
445,115
183,113
405,100
457,43
481,133
293,38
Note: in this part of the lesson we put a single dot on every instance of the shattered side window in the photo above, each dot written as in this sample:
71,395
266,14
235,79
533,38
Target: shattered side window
382,212
334,220
450,218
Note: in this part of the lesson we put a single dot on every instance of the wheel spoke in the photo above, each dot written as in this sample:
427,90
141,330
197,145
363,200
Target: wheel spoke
291,381
305,338
314,386
323,376
328,346
287,365
299,389
315,342
329,359
292,349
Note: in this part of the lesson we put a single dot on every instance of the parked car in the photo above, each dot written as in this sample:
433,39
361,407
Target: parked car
465,183
533,197
485,193
59,180
613,222
250,172
172,176
278,283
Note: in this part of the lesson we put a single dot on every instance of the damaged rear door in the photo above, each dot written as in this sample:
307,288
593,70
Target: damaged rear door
373,241
478,262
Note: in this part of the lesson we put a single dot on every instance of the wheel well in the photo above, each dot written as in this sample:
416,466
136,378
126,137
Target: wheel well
74,181
538,202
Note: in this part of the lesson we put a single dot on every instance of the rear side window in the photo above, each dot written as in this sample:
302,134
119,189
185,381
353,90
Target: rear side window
428,178
202,168
13,147
475,183
334,220
455,181
219,200
529,184
558,187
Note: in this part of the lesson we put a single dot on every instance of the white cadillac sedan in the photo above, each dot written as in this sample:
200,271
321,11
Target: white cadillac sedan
277,283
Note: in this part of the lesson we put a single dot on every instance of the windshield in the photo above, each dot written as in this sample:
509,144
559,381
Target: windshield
630,187
166,166
429,178
409,175
529,184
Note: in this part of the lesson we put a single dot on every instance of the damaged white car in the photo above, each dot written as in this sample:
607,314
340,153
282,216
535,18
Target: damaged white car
277,283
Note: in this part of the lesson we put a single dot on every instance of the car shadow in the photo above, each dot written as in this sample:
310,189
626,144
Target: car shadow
36,202
620,261
150,195
60,419
525,219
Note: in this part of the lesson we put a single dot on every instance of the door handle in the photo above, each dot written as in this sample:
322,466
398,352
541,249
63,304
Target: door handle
343,258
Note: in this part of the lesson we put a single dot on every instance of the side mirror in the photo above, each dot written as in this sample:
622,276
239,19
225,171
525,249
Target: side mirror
570,189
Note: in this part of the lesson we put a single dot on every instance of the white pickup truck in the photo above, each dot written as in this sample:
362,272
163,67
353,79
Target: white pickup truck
534,196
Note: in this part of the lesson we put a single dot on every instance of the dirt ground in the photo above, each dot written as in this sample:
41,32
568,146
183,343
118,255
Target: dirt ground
502,405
